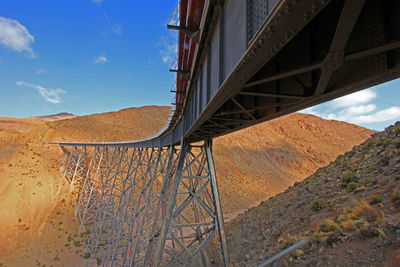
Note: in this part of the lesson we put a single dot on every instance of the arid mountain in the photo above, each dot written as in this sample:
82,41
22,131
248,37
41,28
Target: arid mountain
126,124
56,117
252,165
18,125
349,211
25,125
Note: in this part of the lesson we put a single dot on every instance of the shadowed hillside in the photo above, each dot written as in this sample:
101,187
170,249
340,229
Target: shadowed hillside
252,165
349,211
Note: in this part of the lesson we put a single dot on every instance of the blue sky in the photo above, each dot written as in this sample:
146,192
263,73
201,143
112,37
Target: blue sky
84,56
92,56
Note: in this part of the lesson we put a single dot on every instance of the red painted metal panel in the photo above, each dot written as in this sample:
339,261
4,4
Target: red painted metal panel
190,15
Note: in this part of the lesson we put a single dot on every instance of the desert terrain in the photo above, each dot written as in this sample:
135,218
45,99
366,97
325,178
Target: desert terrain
37,225
349,211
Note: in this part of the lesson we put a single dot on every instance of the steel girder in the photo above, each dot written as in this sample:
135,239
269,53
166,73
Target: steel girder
149,206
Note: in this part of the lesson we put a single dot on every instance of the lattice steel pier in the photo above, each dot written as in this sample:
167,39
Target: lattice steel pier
156,206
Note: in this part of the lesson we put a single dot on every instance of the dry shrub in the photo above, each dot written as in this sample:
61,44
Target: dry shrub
318,205
342,217
329,226
346,210
365,210
375,199
288,241
317,237
349,225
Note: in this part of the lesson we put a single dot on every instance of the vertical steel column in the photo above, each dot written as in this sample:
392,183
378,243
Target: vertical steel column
194,214
140,206
168,217
124,233
161,206
108,182
144,227
119,213
218,208
89,184
79,169
68,162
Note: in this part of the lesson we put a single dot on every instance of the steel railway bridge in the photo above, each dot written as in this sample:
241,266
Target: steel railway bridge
155,202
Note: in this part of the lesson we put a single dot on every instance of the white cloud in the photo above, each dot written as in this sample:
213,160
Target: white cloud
50,95
116,28
97,2
362,109
168,49
112,27
40,71
388,114
355,108
357,98
15,36
101,59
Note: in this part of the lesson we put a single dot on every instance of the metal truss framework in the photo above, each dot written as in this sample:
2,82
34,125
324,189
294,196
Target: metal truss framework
154,206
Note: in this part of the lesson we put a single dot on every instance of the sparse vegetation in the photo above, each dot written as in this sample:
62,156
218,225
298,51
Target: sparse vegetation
375,199
384,161
77,243
364,210
367,181
397,144
351,186
86,255
329,226
318,205
348,177
396,198
386,142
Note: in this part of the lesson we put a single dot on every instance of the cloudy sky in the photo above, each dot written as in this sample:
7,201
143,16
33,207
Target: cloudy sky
91,56
374,108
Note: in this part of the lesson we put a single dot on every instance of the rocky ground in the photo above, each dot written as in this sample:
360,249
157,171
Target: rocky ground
349,211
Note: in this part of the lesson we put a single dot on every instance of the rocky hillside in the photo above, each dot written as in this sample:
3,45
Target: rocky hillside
349,211
252,165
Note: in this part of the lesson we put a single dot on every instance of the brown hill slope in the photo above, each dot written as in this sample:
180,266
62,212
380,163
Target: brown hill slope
25,125
18,125
349,211
252,165
125,124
